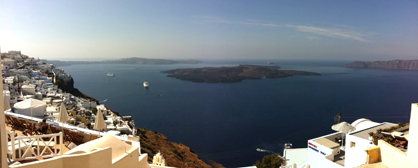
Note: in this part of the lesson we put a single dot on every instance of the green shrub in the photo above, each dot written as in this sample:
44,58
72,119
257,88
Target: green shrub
269,161
94,110
388,139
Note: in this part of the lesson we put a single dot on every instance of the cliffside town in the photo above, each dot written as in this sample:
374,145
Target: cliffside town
27,78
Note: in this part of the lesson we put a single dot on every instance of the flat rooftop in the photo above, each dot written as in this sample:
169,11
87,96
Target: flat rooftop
297,156
327,142
364,134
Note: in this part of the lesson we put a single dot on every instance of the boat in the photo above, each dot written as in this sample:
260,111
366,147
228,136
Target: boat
146,84
110,74
288,145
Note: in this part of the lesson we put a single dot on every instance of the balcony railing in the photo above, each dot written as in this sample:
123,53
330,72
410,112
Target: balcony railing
29,147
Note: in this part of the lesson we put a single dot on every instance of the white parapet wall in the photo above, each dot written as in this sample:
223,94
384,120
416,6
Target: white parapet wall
393,157
413,135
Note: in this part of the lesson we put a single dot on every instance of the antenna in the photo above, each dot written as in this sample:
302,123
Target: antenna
337,118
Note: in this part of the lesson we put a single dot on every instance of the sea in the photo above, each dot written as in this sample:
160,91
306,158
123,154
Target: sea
227,122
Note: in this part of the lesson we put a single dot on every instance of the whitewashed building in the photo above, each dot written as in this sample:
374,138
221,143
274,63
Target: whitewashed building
327,151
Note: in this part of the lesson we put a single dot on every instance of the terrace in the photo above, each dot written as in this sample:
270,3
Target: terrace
28,144
395,135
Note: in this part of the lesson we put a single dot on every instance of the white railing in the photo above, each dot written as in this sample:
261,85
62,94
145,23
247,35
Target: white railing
26,145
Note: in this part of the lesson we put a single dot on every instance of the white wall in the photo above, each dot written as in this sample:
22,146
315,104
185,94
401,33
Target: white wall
356,156
413,135
322,150
393,157
317,160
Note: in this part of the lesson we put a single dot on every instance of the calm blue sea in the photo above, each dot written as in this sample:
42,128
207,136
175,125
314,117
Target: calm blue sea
226,122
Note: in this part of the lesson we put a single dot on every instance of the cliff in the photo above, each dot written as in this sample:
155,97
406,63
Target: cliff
175,154
393,64
69,88
233,74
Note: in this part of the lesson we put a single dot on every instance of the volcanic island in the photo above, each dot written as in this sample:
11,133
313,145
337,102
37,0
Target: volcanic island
233,74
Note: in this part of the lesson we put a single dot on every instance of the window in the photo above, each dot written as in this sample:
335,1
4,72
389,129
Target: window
352,144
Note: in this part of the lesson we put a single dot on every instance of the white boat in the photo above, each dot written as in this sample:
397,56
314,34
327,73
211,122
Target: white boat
146,84
110,74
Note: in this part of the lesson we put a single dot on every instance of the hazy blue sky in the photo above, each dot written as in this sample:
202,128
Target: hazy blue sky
97,30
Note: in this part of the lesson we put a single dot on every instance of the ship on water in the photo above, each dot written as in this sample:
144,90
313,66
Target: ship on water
110,74
146,84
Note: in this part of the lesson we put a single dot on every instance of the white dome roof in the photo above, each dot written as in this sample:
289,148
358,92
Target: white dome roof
363,123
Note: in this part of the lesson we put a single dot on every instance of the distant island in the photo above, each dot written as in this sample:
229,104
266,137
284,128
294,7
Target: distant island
232,74
132,60
393,64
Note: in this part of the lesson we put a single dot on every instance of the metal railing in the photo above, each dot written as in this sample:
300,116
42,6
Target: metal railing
29,147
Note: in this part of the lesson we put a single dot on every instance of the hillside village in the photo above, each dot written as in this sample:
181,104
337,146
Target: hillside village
31,90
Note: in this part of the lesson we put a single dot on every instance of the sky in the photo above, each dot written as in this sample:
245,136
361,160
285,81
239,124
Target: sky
212,29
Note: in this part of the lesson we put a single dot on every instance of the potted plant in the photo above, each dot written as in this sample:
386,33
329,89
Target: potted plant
388,139
375,139
371,136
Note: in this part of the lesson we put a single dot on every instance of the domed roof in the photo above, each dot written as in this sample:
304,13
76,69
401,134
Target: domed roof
363,123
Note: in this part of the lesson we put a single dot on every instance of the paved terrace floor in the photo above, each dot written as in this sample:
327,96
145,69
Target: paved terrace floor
340,158
374,165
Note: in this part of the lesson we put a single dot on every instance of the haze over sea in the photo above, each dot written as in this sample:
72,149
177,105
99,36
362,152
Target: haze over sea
226,122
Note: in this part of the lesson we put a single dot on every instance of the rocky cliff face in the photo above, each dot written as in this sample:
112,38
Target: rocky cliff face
393,64
69,88
175,154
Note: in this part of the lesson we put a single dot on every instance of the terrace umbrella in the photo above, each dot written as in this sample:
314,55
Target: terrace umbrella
344,128
6,103
31,104
63,115
99,124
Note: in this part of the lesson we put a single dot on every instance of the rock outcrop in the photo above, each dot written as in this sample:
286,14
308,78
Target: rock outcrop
175,154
